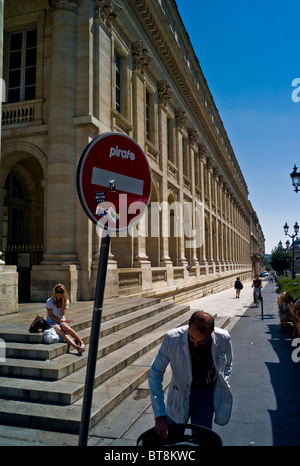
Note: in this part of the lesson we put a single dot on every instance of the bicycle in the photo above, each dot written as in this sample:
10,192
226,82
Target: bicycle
256,296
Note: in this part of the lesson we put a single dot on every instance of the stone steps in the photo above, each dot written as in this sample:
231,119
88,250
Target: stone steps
43,388
126,414
29,349
61,366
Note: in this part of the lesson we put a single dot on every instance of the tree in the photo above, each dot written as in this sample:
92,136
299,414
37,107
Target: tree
281,259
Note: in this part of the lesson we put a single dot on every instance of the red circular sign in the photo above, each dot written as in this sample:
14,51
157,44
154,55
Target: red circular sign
114,181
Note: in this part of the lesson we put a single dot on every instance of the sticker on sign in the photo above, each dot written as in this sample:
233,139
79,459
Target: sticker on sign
114,181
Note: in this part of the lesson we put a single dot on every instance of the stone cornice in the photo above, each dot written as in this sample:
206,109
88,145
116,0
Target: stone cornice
197,105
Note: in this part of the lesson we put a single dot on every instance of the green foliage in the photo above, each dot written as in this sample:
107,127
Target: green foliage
280,260
290,285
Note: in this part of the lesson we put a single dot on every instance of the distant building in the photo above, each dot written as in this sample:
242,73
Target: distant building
76,69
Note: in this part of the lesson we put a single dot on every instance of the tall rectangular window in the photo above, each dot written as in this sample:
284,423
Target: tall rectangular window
22,66
118,76
169,129
148,122
185,157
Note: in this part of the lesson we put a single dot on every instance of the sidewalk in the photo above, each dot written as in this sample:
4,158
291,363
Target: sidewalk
265,381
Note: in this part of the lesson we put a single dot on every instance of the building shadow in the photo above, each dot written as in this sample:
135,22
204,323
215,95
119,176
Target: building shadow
285,380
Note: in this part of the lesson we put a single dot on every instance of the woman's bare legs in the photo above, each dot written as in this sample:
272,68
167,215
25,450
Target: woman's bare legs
67,329
66,337
63,331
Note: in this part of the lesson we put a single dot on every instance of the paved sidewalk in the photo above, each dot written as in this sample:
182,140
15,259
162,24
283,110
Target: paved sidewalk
265,381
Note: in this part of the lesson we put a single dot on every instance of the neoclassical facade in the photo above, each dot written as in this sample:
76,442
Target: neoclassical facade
75,69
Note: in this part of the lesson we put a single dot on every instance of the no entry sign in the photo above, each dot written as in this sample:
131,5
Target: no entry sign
114,181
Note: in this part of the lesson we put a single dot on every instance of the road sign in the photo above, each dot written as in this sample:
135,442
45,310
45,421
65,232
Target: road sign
114,181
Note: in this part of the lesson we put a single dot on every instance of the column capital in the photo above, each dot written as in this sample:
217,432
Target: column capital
180,117
107,10
69,5
141,57
164,93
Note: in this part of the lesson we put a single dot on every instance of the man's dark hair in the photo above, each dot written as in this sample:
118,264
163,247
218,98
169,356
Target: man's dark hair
203,321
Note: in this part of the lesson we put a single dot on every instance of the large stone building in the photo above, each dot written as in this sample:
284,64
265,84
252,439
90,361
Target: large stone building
75,69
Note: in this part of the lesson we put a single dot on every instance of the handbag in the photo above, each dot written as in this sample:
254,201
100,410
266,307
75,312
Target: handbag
50,336
39,324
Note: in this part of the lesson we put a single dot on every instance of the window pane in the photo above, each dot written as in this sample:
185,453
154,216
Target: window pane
31,38
16,41
15,60
30,93
117,82
30,57
14,95
14,78
30,76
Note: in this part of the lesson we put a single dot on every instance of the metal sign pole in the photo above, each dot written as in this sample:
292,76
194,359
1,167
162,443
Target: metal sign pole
94,341
110,163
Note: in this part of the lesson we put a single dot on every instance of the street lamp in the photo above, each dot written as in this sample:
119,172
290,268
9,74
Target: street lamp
296,231
295,178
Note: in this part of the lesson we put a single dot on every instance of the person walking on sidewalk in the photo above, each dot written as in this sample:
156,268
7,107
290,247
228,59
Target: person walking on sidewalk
200,356
238,287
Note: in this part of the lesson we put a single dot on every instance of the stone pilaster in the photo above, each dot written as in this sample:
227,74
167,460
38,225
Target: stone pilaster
60,259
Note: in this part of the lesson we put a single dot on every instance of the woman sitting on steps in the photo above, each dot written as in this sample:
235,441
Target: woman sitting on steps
56,318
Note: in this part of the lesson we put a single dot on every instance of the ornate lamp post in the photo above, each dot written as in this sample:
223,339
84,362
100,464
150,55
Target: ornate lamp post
295,175
296,231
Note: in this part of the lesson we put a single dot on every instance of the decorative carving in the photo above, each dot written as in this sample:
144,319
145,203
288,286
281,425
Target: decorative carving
164,93
202,149
107,10
70,5
180,117
193,135
140,56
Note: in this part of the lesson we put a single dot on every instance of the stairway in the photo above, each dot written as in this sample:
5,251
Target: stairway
42,386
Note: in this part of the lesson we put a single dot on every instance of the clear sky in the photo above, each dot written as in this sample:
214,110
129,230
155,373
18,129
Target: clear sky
249,52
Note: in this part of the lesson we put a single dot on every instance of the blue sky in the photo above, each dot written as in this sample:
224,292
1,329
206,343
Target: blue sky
249,52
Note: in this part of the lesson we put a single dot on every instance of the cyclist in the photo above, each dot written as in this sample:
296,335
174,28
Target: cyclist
256,284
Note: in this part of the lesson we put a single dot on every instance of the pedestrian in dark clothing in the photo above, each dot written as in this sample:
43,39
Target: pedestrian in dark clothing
238,287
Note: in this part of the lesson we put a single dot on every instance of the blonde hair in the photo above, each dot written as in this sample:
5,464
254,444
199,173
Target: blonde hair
65,296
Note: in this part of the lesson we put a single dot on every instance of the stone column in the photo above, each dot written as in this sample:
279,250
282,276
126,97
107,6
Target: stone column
8,274
141,61
203,250
60,259
209,246
164,96
2,88
61,175
180,121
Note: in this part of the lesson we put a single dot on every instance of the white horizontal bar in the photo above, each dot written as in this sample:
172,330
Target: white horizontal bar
102,177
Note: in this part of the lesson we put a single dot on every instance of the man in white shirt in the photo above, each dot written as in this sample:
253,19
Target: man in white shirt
201,360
